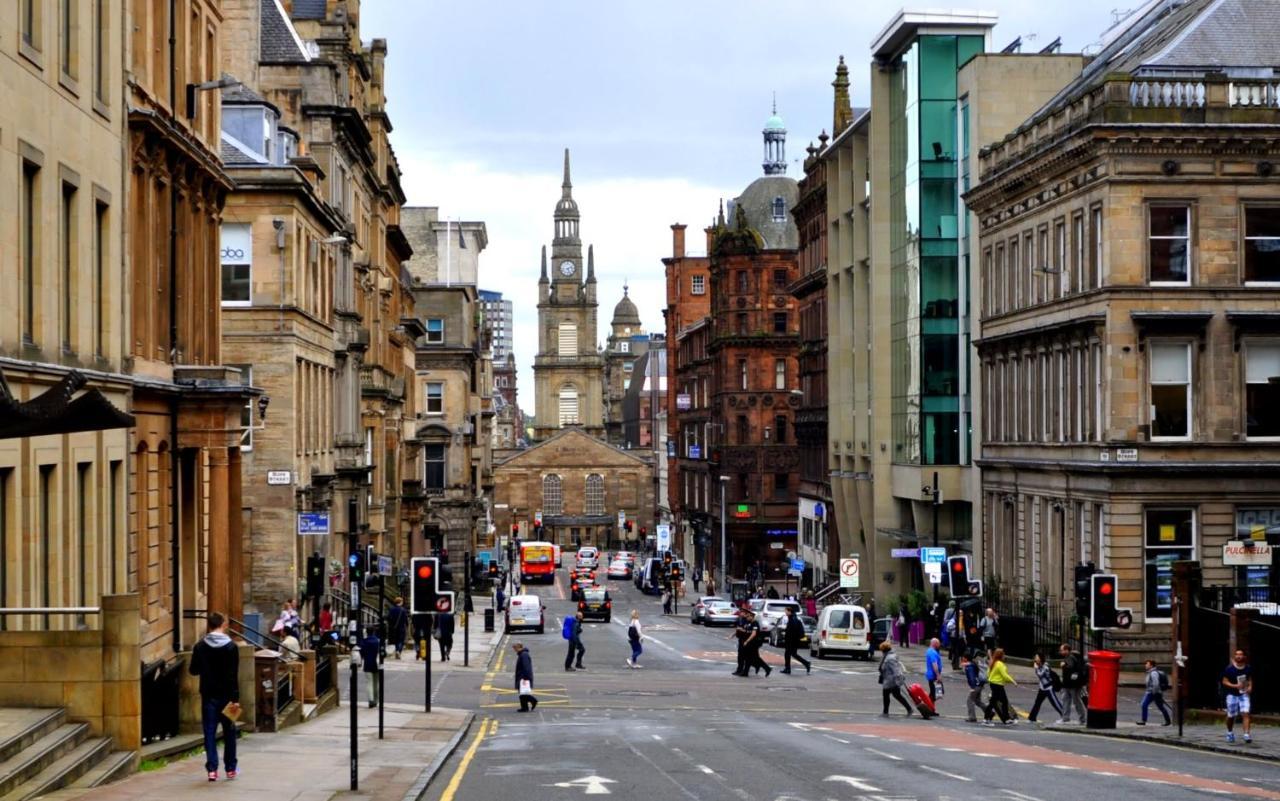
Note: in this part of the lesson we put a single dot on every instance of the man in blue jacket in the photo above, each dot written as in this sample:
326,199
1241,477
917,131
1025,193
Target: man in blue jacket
573,630
933,668
524,673
370,650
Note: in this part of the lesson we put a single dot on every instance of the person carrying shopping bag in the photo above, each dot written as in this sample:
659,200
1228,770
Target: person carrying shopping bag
634,636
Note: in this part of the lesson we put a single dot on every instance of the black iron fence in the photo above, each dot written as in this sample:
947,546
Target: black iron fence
324,670
1265,599
1264,644
1029,623
160,705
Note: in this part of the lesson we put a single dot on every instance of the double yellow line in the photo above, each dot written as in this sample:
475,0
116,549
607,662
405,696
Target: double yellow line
488,727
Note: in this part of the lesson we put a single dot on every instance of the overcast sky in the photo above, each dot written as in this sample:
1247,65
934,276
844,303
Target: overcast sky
660,102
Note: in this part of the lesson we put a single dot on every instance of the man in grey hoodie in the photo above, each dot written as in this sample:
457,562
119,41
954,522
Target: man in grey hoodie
216,660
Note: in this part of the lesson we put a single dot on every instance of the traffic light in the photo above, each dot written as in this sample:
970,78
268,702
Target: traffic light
515,529
666,557
358,562
959,581
627,526
315,576
444,576
1103,612
643,531
970,614
425,594
493,568
1083,573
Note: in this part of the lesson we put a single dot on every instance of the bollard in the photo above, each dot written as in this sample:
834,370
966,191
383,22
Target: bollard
488,619
1104,681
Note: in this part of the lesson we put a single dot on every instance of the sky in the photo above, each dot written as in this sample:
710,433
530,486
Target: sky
661,104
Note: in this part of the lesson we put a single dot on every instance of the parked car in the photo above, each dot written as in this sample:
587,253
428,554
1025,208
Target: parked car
778,634
699,608
842,629
595,604
881,628
619,569
769,611
720,613
525,612
588,557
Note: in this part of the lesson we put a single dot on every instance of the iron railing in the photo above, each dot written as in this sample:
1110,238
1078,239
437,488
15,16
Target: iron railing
1031,623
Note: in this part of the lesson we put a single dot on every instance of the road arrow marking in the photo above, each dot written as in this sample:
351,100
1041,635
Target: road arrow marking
856,784
592,785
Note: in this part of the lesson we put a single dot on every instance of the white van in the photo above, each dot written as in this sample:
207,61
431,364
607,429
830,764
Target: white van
842,628
525,612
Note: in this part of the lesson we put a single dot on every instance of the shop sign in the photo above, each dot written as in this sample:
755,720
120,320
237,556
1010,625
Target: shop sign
1241,553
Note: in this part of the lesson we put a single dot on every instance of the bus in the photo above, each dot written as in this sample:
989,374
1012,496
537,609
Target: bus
537,562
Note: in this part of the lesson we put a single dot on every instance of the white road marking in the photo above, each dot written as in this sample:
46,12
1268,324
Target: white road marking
856,784
1019,761
657,737
1019,796
837,739
955,776
886,755
706,770
592,785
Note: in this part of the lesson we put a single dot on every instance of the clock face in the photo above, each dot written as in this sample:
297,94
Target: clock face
566,268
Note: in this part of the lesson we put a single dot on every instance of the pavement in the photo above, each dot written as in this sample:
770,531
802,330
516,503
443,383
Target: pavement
311,761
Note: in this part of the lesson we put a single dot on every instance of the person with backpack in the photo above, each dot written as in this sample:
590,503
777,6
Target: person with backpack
572,631
893,677
1157,684
998,677
397,625
1050,683
1074,679
976,677
635,635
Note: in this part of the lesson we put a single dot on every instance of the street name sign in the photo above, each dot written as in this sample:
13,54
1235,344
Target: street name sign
313,523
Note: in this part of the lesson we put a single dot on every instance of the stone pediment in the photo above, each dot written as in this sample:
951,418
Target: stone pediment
572,446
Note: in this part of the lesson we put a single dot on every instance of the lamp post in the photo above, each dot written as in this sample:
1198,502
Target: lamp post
724,575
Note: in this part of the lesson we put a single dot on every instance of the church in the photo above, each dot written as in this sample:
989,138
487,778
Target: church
584,490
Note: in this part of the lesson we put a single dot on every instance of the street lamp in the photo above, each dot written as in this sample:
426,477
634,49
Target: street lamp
724,576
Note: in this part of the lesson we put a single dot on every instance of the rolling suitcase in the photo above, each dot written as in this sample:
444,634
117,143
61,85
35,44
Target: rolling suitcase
920,697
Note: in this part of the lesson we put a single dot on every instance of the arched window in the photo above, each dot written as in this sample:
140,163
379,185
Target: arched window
568,406
595,494
552,495
779,210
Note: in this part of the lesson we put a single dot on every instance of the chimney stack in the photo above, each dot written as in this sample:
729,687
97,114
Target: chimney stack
677,241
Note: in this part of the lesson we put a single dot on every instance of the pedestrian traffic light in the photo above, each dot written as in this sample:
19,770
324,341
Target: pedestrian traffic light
627,525
1103,611
515,529
959,581
425,594
358,564
315,576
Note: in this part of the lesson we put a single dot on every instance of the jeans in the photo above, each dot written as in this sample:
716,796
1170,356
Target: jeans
636,650
933,689
373,686
1040,698
210,716
1073,697
1158,700
894,692
575,646
446,647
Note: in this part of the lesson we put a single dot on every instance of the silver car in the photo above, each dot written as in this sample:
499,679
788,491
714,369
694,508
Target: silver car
720,613
699,608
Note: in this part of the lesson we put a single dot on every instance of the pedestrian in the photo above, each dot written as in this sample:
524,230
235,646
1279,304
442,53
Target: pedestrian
573,633
421,633
988,627
903,638
793,635
1049,683
370,649
751,647
1237,678
290,647
500,599
975,677
933,668
810,604
772,594
949,635
1073,683
740,632
635,635
697,578
998,677
444,634
666,602
524,678
397,624
1157,683
893,677
216,660
326,620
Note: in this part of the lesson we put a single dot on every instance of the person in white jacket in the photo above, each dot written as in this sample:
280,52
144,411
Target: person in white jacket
634,635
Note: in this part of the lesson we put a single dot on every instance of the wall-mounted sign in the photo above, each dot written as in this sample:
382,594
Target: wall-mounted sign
905,553
1246,553
684,401
695,451
780,532
1126,454
313,523
742,510
777,546
277,477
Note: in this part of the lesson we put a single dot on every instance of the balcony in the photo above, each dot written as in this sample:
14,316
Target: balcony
374,381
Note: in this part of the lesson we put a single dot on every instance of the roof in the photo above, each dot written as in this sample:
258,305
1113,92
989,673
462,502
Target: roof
774,123
757,202
909,23
308,9
233,156
280,42
568,442
626,311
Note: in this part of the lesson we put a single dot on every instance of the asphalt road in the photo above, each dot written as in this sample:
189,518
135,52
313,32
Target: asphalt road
683,727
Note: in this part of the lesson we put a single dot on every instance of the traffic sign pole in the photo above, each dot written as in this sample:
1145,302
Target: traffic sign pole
431,622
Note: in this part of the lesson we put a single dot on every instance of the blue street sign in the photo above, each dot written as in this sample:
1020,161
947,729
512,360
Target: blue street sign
313,523
485,558
695,452
933,555
797,565
819,511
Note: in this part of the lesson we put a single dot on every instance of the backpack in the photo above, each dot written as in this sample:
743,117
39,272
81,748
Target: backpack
1055,681
982,674
632,634
566,631
1164,680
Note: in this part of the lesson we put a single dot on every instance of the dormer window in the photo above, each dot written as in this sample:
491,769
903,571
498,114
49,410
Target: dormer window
286,146
779,210
252,129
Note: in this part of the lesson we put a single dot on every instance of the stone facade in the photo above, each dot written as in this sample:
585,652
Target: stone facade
1129,332
579,484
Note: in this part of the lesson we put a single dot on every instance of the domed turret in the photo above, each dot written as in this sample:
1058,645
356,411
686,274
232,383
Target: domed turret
775,144
626,313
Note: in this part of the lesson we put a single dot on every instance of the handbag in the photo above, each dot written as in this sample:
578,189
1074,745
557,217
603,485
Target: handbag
526,687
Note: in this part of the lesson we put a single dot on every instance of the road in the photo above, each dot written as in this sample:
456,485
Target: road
683,727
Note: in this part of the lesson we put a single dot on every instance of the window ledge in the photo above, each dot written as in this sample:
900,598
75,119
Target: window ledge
1168,283
68,82
101,108
31,53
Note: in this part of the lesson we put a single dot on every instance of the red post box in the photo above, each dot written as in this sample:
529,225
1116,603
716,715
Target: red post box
1104,680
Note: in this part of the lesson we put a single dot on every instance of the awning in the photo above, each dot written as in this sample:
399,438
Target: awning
907,535
56,412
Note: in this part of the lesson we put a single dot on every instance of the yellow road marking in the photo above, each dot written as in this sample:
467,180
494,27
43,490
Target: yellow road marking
451,790
564,702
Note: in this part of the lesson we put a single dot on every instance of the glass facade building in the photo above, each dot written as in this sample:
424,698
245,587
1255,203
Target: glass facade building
928,271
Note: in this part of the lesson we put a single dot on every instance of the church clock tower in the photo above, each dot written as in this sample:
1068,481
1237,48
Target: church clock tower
568,370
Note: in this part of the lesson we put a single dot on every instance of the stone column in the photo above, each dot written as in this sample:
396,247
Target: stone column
122,671
235,529
217,595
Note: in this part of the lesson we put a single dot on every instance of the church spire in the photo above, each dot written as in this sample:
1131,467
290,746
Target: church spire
543,279
842,115
566,216
566,188
591,264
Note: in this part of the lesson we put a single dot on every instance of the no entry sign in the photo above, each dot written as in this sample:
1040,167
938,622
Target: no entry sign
849,572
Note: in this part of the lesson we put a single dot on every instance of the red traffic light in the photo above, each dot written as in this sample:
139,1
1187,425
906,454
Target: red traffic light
1105,587
957,566
424,571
